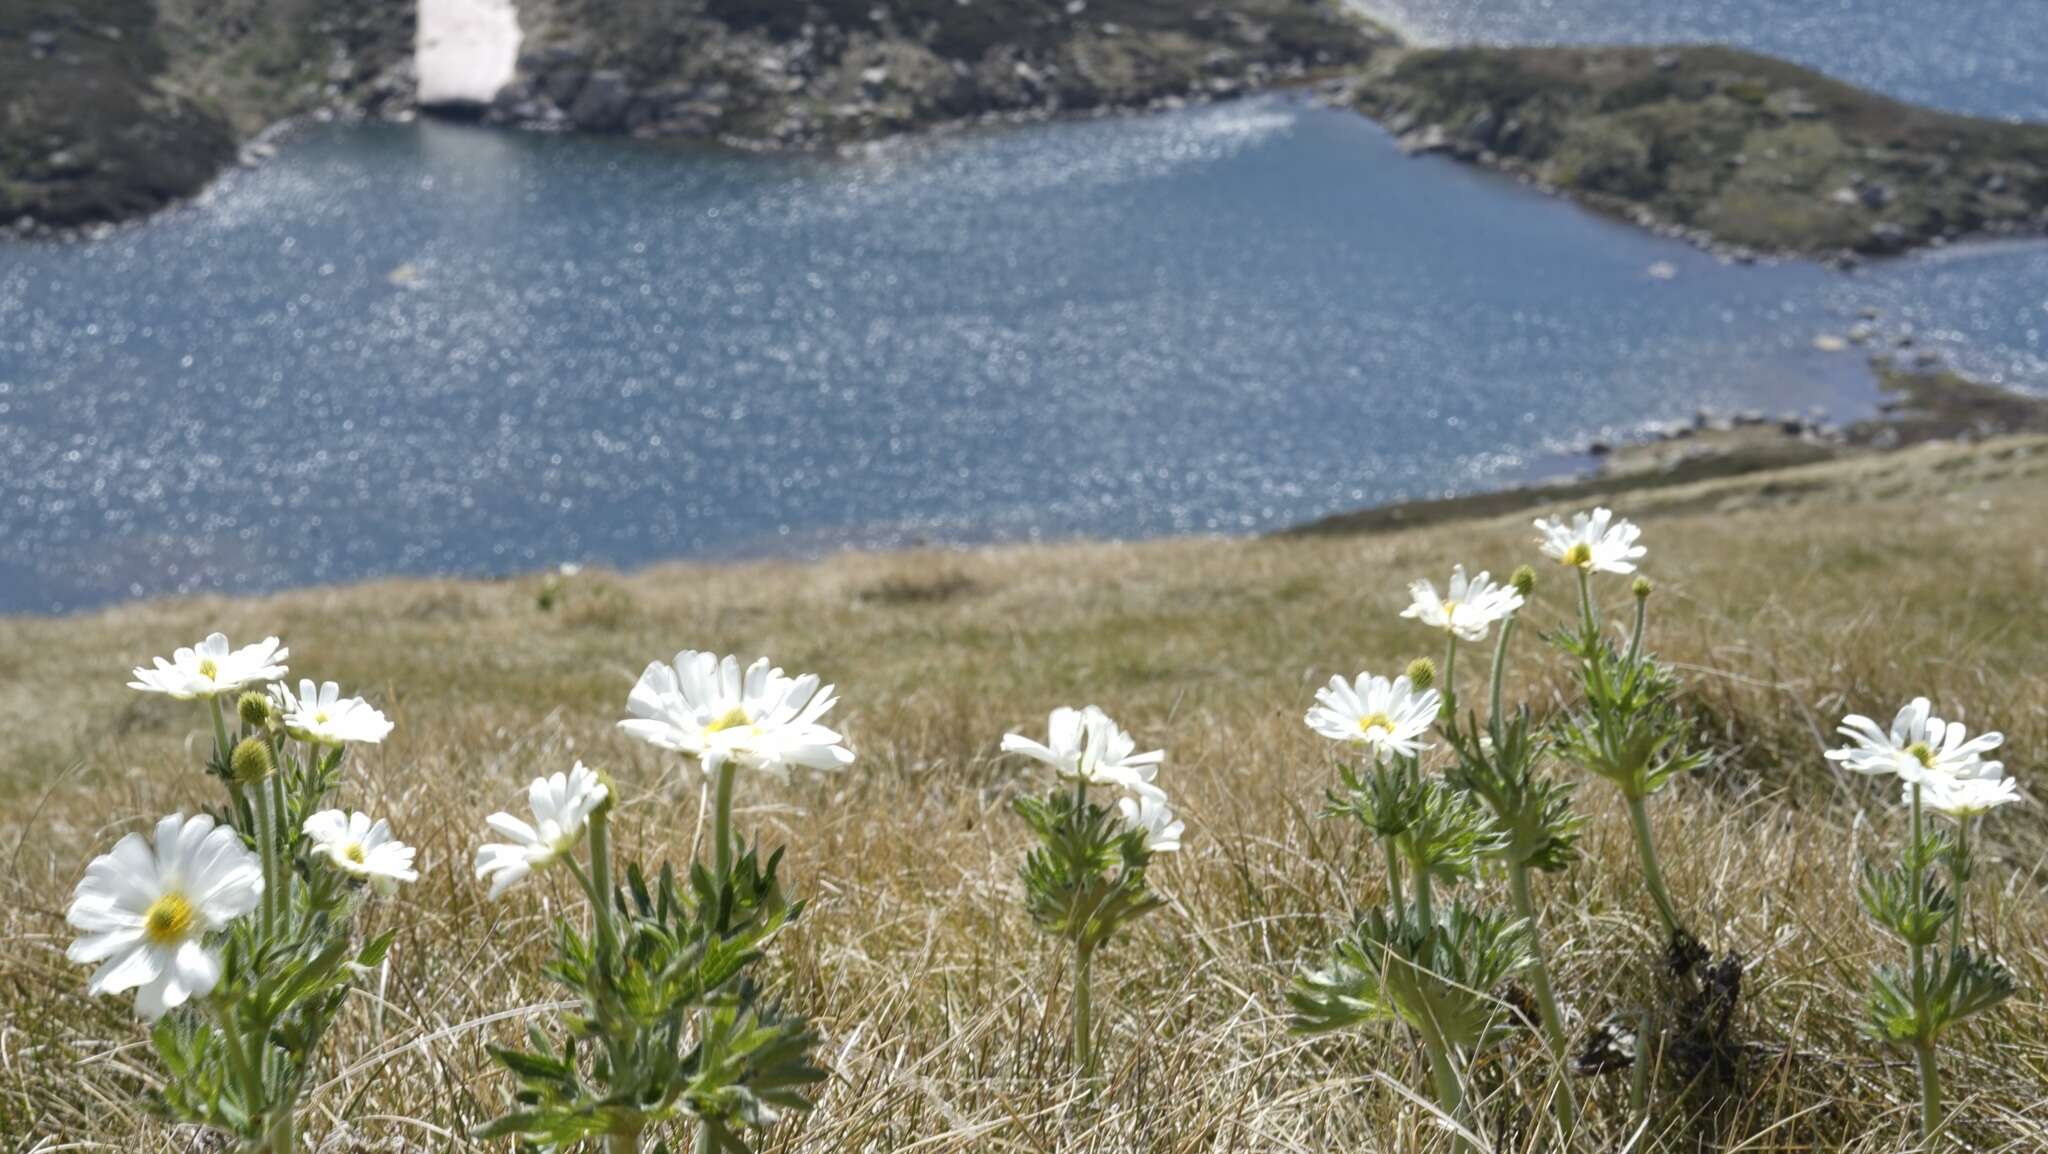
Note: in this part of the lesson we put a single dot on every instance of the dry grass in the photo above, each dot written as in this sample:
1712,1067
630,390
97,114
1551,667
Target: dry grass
1787,600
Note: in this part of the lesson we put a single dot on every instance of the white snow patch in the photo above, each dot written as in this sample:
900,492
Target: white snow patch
467,50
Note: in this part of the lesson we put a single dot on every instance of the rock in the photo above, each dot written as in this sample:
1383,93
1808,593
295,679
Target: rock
1885,238
1483,127
1665,61
1861,333
875,77
1662,270
1829,343
67,162
1845,196
601,104
1876,195
1599,449
1428,139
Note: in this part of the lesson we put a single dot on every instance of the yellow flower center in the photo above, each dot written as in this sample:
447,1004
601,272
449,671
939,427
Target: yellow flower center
354,852
1375,721
169,920
208,669
733,718
320,718
1922,753
1579,555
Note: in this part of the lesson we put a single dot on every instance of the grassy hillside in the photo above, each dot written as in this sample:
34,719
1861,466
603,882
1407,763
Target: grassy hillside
1787,599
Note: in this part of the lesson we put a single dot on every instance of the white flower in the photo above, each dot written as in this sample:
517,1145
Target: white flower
1594,542
768,720
1920,747
1469,607
1085,745
1963,798
1389,716
561,805
211,668
145,912
1150,813
362,848
321,715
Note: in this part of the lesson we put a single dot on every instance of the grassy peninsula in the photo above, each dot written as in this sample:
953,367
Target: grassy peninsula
1785,598
1730,146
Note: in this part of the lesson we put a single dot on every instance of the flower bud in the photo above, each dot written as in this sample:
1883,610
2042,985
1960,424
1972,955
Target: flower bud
1641,588
254,709
1523,580
1422,673
251,763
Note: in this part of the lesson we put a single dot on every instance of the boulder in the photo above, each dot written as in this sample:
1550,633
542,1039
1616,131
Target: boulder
601,103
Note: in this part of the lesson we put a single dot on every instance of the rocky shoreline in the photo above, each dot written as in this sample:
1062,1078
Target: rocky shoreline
1731,151
112,109
1923,406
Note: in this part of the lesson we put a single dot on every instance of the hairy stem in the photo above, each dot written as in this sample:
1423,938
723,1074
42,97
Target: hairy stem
1546,998
1394,882
1425,907
1635,641
1589,622
1084,1024
282,835
238,1056
1450,1091
601,885
266,847
1930,1088
721,821
1653,871
1500,663
1450,679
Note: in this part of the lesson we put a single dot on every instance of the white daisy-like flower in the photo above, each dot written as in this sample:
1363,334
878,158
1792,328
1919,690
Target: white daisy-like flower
1390,717
321,715
362,848
561,807
1150,813
1085,745
211,668
1468,608
145,910
765,719
1920,747
1963,798
1594,542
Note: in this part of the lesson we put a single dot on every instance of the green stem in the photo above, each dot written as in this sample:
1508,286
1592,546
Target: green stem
1588,621
266,847
220,732
628,1141
281,835
1500,663
1639,1069
721,821
1425,908
1959,879
1930,1088
284,1134
1450,679
238,1057
1450,1092
1546,997
1394,882
1635,641
1084,1015
601,886
1653,873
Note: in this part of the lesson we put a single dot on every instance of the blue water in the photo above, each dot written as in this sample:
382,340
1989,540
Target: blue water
1983,57
431,348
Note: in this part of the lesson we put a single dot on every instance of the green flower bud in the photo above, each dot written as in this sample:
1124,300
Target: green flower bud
251,762
254,709
1523,580
1641,588
1422,672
